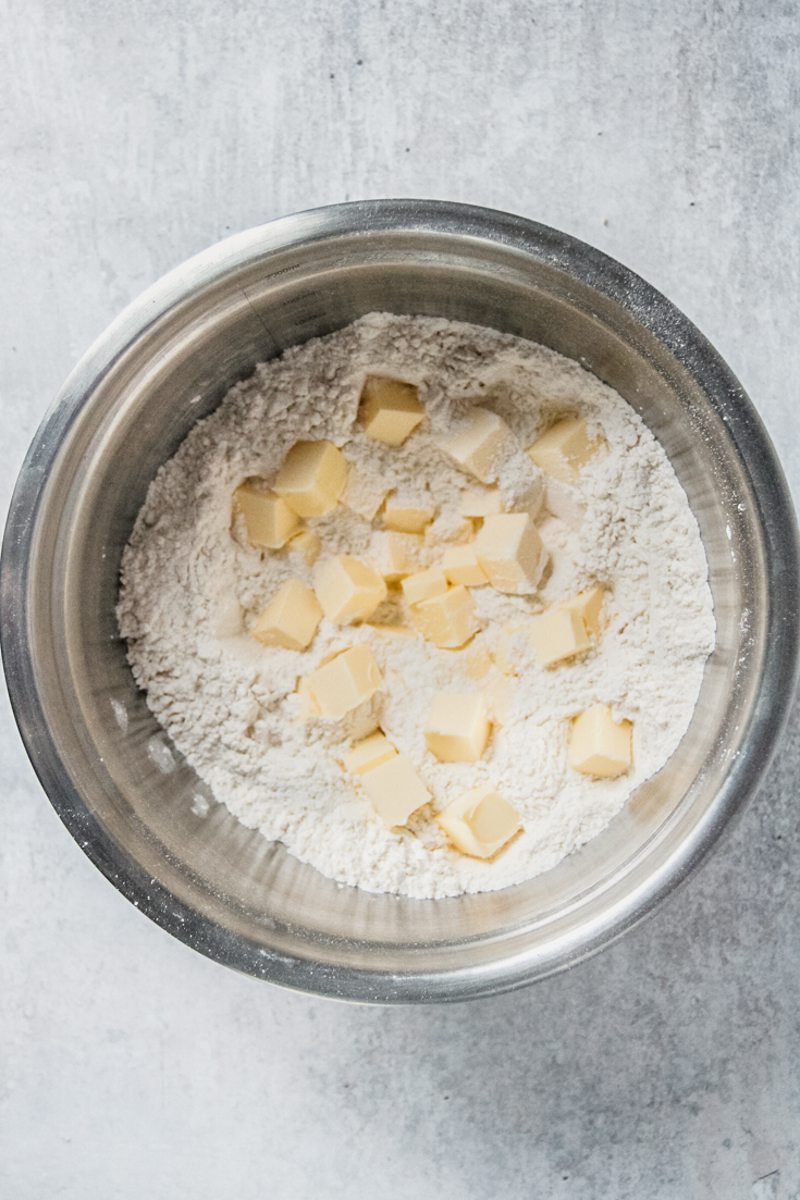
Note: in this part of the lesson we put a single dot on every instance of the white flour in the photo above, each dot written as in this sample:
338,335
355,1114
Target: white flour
189,589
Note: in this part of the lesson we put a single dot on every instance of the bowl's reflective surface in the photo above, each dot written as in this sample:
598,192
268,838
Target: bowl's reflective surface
169,360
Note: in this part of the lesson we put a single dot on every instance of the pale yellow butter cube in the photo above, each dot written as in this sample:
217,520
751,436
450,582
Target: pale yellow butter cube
348,589
564,449
448,620
509,549
598,745
269,520
480,504
369,753
307,705
390,409
479,663
290,619
499,699
407,520
558,634
424,585
589,605
460,565
457,728
480,823
479,444
306,543
312,478
395,789
396,554
344,682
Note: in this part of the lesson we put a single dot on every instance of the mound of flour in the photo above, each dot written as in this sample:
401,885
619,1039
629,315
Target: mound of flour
190,588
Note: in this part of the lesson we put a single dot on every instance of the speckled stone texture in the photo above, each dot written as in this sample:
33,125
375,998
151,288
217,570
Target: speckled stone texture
132,135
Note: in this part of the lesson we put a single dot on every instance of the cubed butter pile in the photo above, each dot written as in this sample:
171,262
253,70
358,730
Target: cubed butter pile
407,519
477,505
480,823
568,628
307,543
396,554
564,449
447,619
290,619
478,445
492,548
344,682
389,779
599,745
457,728
348,589
460,565
390,409
510,552
269,520
312,478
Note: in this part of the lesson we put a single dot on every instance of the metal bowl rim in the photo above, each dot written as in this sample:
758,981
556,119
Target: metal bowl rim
587,265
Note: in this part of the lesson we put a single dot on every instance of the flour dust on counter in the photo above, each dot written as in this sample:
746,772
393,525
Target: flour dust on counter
423,601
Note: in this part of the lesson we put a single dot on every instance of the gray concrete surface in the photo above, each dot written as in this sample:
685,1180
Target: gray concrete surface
132,135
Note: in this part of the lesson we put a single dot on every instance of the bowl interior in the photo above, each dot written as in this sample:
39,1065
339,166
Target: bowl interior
242,899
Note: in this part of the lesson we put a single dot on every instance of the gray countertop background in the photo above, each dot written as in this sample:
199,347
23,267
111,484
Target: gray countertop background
133,135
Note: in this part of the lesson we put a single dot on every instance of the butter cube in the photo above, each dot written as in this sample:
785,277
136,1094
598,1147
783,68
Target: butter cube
346,681
363,495
290,619
568,628
460,565
390,409
511,553
307,705
479,663
306,543
407,520
424,585
599,746
480,823
269,520
348,589
448,620
312,478
396,554
369,753
479,504
558,634
499,699
477,447
395,789
564,449
457,728
589,605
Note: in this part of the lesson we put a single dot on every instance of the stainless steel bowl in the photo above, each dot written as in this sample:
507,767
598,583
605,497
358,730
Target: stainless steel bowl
168,360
